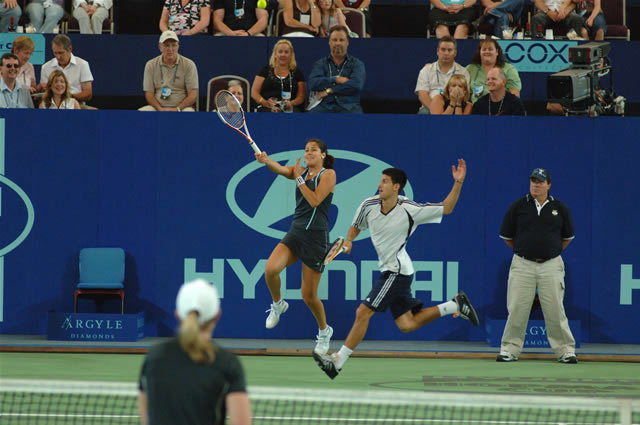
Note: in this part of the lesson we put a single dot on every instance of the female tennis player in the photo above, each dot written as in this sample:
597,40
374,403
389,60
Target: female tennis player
308,237
189,379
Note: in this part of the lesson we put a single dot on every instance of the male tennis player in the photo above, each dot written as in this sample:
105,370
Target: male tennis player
391,220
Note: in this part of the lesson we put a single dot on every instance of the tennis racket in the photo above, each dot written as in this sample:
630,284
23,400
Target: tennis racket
335,249
230,112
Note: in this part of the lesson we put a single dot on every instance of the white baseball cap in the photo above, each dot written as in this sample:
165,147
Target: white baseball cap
199,296
168,35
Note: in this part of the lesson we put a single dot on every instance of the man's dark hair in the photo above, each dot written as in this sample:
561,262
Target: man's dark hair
8,56
342,28
397,176
448,39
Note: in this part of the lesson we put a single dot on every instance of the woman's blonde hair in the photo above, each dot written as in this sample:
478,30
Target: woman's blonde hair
47,98
273,62
457,78
22,43
196,343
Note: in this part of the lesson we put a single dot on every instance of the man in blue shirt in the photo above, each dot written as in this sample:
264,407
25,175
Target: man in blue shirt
337,79
12,93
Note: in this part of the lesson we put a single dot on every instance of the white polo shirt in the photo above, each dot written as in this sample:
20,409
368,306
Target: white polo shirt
77,71
431,79
390,232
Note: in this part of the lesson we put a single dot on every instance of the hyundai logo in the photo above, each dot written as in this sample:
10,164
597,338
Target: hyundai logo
276,198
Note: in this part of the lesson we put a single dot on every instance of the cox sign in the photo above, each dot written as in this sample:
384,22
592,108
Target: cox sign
538,55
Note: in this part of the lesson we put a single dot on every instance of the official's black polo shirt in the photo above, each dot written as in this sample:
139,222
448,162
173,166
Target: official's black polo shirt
537,237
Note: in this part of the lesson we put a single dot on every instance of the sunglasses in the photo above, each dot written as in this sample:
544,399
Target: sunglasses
12,65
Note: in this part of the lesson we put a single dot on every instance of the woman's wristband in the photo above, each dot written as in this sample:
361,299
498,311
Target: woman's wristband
460,181
299,181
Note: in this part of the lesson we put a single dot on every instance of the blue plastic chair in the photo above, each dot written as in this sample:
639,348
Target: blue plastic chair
101,273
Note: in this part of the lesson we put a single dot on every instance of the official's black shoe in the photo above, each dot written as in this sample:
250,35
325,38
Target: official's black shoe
568,358
466,309
326,364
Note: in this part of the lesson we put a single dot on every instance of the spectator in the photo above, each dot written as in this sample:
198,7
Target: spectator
239,17
12,93
186,19
487,56
455,98
170,80
23,47
91,14
331,16
549,12
58,95
75,69
44,15
337,79
301,18
433,76
594,26
499,101
280,86
235,88
502,14
362,6
452,13
10,13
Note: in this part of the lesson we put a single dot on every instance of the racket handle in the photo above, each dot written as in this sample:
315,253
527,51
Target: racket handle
343,249
255,147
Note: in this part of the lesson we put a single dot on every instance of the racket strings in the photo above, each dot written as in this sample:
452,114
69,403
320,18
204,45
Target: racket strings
229,109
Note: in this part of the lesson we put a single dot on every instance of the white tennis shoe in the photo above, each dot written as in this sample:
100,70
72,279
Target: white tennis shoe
274,313
322,341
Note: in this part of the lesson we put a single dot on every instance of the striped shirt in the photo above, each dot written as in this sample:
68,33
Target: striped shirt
390,231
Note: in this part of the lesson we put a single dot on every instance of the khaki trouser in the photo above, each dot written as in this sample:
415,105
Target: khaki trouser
548,278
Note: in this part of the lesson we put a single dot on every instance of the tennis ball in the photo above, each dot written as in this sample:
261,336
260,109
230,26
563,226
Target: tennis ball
262,4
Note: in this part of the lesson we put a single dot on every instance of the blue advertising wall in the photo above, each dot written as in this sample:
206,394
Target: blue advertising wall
183,196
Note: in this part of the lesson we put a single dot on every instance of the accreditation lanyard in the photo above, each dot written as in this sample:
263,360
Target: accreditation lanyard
175,73
339,69
288,95
238,12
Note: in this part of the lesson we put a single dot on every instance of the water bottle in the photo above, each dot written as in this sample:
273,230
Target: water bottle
619,108
12,26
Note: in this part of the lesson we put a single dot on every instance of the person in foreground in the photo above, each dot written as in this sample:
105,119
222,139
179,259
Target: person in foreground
538,227
188,379
391,220
308,237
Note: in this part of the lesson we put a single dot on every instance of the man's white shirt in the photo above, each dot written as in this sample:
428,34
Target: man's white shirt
390,232
77,72
432,80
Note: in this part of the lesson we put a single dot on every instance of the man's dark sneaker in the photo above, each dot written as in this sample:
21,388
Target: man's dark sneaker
466,309
569,357
327,365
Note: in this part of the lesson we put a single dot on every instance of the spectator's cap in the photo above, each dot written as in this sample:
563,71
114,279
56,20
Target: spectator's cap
540,174
168,35
199,296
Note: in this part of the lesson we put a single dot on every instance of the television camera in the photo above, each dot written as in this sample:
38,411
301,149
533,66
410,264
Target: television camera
579,88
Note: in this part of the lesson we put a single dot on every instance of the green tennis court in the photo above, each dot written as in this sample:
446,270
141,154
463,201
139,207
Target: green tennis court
292,390
605,379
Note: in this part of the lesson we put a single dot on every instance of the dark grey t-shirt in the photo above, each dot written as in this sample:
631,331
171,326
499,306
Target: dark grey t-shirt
180,391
